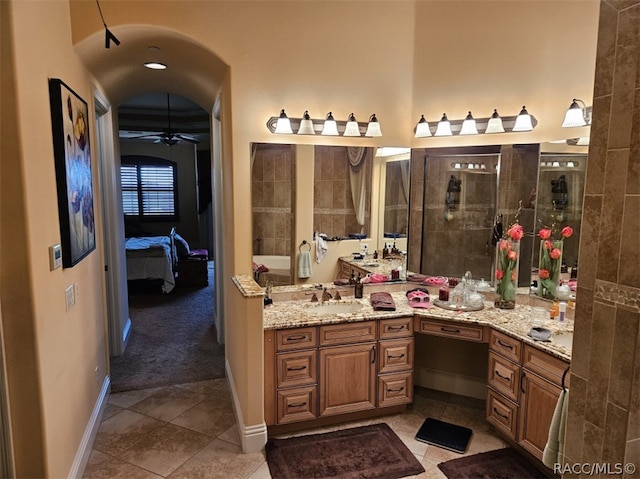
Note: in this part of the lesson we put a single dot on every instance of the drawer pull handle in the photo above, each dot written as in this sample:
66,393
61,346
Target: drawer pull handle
397,328
506,418
295,338
302,404
449,330
504,378
395,357
299,368
373,350
397,390
504,345
522,383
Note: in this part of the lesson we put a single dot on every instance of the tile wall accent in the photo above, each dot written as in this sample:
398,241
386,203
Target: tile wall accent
604,404
333,210
272,189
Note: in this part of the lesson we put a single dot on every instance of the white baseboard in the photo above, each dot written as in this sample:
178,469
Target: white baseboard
450,382
90,431
252,438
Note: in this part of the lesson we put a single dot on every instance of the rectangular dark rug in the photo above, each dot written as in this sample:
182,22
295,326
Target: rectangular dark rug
499,464
372,452
444,434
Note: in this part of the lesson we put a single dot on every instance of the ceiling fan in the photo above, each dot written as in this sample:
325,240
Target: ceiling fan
168,136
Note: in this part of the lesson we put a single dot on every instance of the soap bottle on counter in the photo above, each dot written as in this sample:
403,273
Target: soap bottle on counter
358,287
352,280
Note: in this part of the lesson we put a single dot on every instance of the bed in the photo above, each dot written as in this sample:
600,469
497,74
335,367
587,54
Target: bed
152,257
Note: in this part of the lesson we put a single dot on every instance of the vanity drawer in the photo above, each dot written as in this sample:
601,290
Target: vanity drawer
468,332
545,365
507,346
346,333
504,376
395,328
296,368
502,413
296,338
395,355
298,404
395,389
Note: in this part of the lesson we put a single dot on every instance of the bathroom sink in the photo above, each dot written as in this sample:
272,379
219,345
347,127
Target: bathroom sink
563,339
334,308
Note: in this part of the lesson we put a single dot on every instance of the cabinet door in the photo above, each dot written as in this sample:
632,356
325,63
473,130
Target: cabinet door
395,355
347,378
537,404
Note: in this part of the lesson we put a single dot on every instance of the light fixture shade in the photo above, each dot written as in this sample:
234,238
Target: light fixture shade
283,125
352,128
422,128
523,121
306,125
330,127
444,127
373,127
575,116
583,141
469,126
494,125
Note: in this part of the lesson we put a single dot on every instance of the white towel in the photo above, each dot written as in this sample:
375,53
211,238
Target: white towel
321,248
304,264
555,444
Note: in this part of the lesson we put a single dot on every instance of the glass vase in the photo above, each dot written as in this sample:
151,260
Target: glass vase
506,273
549,264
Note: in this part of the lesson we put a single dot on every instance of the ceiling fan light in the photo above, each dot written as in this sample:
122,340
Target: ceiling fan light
352,128
330,127
494,125
283,126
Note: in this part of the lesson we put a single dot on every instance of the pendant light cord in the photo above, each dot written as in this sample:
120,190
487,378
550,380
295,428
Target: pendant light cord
101,16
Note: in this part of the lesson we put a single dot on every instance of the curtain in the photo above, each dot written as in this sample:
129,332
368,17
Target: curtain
357,180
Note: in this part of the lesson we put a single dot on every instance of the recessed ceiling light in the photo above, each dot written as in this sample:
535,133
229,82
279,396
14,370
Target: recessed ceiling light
156,65
153,59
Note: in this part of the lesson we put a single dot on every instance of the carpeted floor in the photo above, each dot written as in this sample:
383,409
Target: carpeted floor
173,339
373,451
501,463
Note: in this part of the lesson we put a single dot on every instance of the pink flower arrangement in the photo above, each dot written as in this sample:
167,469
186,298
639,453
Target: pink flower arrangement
507,265
550,261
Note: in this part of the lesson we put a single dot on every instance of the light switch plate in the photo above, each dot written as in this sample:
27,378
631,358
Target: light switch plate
55,256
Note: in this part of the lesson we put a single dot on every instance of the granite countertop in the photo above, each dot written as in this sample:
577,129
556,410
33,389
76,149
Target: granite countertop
370,265
516,322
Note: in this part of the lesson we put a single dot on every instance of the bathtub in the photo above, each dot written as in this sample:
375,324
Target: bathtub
276,264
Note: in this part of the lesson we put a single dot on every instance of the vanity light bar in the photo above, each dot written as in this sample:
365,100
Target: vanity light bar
328,126
521,122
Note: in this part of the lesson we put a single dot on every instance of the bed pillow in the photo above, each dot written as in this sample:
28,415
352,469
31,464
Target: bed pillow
182,247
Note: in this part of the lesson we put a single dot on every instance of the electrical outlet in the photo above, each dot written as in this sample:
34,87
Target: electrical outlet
70,297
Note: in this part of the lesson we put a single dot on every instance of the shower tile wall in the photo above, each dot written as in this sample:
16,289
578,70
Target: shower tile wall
333,211
416,207
272,191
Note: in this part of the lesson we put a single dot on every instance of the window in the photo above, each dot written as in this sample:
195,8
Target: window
149,188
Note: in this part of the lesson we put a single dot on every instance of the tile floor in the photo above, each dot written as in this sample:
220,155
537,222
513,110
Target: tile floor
189,431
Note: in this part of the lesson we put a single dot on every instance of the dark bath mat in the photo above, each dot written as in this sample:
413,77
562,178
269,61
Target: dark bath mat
374,452
444,434
502,463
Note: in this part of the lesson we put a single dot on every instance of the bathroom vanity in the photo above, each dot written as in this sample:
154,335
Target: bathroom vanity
340,360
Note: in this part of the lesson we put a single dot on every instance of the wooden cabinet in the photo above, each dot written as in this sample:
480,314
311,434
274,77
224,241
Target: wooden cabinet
468,332
346,269
316,372
541,386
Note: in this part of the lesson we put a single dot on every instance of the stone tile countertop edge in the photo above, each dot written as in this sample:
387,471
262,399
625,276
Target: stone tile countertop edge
516,322
248,286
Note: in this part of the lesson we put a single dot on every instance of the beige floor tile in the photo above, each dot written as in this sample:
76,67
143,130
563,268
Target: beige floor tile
220,460
210,417
123,430
97,457
231,435
165,449
110,410
116,469
129,398
262,472
168,403
213,388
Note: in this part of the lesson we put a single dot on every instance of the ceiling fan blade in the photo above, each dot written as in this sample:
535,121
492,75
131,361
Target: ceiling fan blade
190,139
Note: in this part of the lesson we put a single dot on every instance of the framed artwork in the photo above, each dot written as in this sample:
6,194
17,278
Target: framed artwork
72,157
